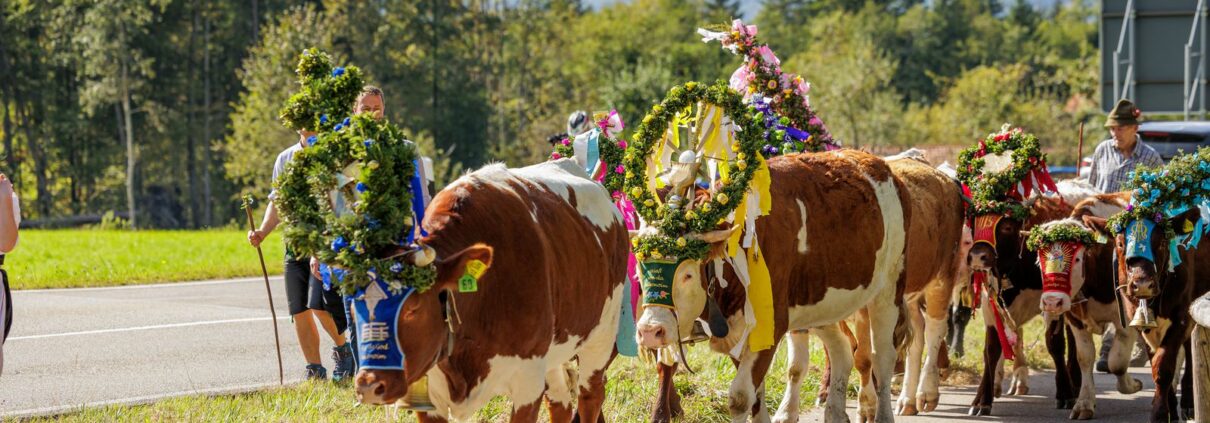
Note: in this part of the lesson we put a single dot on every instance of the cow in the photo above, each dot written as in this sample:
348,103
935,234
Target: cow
1170,293
834,243
1014,280
556,252
1093,307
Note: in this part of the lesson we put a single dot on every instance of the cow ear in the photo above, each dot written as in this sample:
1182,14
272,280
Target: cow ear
1097,224
473,261
1184,223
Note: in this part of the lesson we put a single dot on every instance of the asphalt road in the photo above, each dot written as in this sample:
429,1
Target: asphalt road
1037,407
92,346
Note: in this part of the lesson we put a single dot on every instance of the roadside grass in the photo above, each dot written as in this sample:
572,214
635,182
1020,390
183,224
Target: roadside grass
631,392
95,257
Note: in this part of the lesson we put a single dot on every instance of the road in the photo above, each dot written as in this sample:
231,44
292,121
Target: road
92,346
1037,407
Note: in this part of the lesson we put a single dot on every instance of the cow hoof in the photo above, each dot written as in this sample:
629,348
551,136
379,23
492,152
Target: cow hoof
926,405
821,399
980,410
996,391
1065,404
1188,413
907,410
1018,390
1081,415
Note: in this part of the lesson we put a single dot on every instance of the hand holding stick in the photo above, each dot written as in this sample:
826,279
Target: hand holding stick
281,375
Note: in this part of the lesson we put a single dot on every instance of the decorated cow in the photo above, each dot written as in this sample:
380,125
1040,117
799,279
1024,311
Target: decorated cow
1156,257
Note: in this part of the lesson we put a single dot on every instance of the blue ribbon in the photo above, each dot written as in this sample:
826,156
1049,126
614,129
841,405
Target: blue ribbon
418,205
377,309
1138,239
331,276
627,345
594,151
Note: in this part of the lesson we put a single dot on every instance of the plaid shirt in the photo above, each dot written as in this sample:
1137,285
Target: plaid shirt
1110,168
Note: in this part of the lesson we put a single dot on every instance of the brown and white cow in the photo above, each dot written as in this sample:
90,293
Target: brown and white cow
834,243
1169,293
557,250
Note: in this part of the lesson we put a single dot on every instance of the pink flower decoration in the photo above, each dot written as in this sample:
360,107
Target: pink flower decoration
555,156
744,30
622,144
620,169
566,141
740,78
767,55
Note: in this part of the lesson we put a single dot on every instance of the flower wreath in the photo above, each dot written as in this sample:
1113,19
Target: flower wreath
360,158
787,107
1158,193
669,219
1016,178
1040,236
612,148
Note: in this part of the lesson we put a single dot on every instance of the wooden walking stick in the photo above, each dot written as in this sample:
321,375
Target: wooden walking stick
281,374
1080,151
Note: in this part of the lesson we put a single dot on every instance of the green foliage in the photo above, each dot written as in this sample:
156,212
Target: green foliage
1041,236
327,93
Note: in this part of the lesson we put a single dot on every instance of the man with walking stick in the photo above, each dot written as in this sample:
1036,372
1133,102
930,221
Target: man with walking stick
304,292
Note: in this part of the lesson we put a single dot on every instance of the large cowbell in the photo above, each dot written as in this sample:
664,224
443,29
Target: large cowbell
377,308
1138,239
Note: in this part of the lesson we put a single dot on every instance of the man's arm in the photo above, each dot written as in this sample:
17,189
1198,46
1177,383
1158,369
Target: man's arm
255,237
1092,168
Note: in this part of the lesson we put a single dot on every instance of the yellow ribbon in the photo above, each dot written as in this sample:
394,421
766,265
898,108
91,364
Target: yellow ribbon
760,294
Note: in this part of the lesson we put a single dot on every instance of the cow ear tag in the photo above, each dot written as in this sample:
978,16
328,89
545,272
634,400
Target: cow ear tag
1099,237
470,280
1188,227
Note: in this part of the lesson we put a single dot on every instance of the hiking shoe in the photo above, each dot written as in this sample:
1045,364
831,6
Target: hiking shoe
1139,357
316,372
343,357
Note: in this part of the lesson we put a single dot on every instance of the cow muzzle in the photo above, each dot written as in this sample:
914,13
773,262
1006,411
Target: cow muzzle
652,336
981,259
374,389
1142,283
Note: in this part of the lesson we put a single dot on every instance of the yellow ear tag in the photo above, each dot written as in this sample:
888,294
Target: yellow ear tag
1099,237
470,280
1188,226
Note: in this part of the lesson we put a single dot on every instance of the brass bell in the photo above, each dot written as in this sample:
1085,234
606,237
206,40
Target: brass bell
1143,317
417,398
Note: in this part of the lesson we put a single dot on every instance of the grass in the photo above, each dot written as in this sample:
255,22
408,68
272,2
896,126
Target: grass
87,257
632,391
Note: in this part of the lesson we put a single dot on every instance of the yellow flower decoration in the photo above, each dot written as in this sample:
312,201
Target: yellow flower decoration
722,198
680,242
656,255
639,256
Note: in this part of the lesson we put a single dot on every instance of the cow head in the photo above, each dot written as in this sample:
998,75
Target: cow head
1063,264
997,238
424,325
674,294
1139,245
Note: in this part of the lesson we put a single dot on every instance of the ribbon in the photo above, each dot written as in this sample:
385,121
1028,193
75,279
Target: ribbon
611,125
593,153
377,309
626,343
1007,338
418,205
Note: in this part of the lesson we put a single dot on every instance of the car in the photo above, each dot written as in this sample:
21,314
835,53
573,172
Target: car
1173,138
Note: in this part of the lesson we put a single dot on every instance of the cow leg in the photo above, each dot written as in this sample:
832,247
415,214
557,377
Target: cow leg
840,359
558,393
668,403
760,413
750,369
982,405
821,398
591,398
799,361
934,338
1187,382
1055,345
906,405
527,413
867,400
1163,371
1119,359
1085,407
1020,376
883,317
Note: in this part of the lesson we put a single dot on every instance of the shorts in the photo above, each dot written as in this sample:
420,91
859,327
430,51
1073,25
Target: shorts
305,292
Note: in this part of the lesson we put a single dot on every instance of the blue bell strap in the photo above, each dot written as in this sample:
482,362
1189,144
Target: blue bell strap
418,205
377,309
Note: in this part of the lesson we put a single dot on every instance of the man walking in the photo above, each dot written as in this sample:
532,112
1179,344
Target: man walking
1112,163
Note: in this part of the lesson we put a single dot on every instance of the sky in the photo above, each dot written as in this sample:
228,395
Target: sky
750,7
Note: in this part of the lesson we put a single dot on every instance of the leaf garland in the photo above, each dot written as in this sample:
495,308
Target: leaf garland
1060,232
383,158
674,223
761,77
993,193
1157,193
326,93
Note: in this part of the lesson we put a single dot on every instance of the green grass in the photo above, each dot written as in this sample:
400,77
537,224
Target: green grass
86,257
631,392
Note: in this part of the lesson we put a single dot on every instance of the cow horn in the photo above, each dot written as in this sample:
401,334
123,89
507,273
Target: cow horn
715,236
421,257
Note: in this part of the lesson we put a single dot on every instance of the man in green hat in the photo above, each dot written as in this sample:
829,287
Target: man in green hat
1116,157
1112,163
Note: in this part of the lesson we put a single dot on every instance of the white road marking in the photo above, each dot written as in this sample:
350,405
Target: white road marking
17,292
151,327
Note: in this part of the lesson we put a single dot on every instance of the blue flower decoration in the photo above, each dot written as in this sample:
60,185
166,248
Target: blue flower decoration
339,244
1185,192
397,267
372,223
368,142
345,122
1155,194
323,119
338,71
1206,184
1145,203
361,187
312,139
338,127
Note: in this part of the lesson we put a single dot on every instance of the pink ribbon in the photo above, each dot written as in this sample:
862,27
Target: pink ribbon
612,124
630,218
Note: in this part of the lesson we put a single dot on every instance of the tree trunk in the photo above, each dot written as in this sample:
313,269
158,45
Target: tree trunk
191,165
10,156
207,205
129,131
255,24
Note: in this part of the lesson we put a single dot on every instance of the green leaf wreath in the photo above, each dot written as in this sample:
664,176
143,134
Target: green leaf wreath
368,162
990,192
674,223
1157,193
1062,232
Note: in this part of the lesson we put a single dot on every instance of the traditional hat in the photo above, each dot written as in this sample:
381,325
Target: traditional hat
1125,113
577,123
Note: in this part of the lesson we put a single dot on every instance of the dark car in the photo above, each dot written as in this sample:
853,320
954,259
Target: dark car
1172,138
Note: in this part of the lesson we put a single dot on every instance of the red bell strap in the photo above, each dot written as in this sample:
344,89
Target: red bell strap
1007,339
1057,261
985,229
